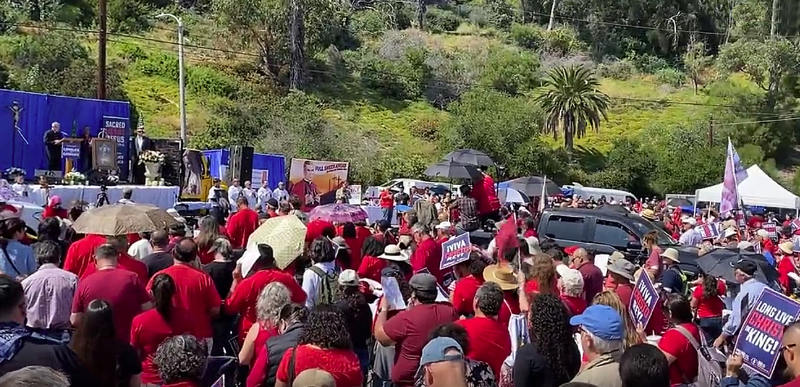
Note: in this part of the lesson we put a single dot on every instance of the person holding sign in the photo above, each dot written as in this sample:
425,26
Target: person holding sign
748,293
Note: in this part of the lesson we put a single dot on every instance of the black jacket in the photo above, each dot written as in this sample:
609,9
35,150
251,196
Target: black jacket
277,346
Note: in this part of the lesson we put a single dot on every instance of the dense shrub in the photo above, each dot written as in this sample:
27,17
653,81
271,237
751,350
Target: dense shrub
560,41
205,80
619,69
402,79
367,23
647,63
440,20
511,71
160,64
501,12
670,76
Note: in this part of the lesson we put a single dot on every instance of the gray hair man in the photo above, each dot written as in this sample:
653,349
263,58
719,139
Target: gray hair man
601,331
49,291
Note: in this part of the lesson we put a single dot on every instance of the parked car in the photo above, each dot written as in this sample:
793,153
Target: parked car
576,190
601,231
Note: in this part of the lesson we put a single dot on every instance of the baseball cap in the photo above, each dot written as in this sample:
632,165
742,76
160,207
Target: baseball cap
272,203
348,278
689,220
746,266
423,283
436,351
383,224
444,226
762,233
600,320
571,250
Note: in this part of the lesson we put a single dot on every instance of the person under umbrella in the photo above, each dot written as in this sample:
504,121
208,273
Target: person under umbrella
750,289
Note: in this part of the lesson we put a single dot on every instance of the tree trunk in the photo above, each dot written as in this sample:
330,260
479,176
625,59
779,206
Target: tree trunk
773,29
552,15
569,133
297,42
421,9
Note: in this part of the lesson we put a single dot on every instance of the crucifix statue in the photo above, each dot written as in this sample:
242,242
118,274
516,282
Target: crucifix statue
16,111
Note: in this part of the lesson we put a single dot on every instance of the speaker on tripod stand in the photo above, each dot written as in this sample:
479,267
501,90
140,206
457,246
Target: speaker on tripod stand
240,163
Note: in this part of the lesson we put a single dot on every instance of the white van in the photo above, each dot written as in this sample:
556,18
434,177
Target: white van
591,192
373,192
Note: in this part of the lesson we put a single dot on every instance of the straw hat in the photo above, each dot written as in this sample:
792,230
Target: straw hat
501,275
393,253
649,214
671,254
787,247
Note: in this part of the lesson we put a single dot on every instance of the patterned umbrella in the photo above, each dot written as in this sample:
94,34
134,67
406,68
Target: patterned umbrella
338,213
285,234
122,219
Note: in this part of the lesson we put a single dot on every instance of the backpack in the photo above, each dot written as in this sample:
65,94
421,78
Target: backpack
328,289
709,372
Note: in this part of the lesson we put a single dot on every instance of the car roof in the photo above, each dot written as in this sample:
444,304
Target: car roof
599,212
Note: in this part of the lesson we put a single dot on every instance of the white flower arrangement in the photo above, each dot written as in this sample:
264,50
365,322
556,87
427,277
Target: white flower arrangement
74,178
151,156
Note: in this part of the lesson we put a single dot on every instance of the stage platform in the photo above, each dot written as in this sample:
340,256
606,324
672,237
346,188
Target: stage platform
162,197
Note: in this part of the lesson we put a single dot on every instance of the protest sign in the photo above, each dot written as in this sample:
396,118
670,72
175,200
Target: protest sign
643,301
455,251
315,182
759,340
391,292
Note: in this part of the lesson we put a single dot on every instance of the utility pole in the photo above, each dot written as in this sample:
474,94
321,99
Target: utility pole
552,15
101,50
773,29
181,76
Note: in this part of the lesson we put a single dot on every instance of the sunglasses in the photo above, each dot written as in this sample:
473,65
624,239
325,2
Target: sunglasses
788,347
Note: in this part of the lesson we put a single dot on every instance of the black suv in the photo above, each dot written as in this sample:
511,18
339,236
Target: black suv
604,230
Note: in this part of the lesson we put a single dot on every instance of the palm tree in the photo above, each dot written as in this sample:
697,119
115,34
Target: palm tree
571,101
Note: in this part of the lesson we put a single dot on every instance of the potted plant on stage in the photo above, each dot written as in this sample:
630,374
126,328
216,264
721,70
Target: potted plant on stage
152,160
74,178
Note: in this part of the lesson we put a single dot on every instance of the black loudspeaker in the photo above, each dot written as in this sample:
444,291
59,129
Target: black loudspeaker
240,164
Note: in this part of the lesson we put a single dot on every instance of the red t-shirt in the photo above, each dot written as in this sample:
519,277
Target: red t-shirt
245,296
195,295
488,341
464,293
80,254
125,262
316,227
428,255
371,267
793,383
121,289
484,193
654,260
674,343
342,364
260,343
410,329
240,226
148,331
386,199
532,286
510,306
625,292
785,267
575,305
710,307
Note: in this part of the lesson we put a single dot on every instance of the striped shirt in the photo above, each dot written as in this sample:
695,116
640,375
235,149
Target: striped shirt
48,296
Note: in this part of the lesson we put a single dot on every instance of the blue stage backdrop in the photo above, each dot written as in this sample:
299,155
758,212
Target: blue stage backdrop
38,112
273,165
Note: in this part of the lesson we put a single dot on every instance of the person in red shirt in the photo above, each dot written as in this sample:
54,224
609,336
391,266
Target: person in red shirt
124,261
428,254
374,258
444,231
762,237
387,204
408,330
621,271
542,276
317,228
242,224
470,278
54,210
572,292
681,354
706,300
120,288
354,242
80,255
788,267
484,193
324,344
195,294
209,232
503,275
243,296
151,328
488,338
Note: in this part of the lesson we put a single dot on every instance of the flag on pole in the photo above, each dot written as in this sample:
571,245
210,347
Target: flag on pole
734,173
543,196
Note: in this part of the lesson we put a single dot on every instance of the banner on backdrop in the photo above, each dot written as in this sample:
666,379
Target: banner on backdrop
118,129
643,301
759,340
315,182
259,175
455,251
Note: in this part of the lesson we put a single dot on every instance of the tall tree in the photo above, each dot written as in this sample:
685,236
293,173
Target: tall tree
571,101
297,46
696,61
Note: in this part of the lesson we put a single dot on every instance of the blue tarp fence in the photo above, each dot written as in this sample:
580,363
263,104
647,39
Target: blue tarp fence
273,166
38,112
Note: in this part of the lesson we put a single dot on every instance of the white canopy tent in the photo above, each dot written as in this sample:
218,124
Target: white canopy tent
758,189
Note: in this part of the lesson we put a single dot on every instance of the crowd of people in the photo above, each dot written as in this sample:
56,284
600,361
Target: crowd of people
367,304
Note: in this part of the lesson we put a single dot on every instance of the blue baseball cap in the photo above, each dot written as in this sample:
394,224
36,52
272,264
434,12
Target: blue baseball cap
600,320
436,351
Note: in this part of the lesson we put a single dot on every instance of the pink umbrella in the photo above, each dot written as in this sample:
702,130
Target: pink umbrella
338,213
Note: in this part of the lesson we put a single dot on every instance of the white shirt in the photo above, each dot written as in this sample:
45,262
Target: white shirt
264,194
250,195
212,193
21,189
139,143
311,282
233,194
280,194
140,249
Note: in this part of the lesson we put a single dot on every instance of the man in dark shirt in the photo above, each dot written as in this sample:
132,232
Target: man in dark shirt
52,142
467,210
672,279
21,347
160,258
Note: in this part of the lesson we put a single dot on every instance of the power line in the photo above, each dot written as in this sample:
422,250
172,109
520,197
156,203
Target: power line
759,122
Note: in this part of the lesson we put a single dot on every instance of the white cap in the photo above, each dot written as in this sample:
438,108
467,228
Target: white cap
572,281
729,232
444,226
689,220
348,278
762,233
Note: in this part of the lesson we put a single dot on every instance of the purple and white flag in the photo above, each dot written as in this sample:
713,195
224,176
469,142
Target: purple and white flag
734,173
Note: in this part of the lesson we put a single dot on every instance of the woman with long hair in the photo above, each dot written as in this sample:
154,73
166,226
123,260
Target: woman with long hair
209,232
653,264
675,344
357,315
110,361
707,301
325,344
221,268
271,300
611,299
542,278
371,265
552,357
150,328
